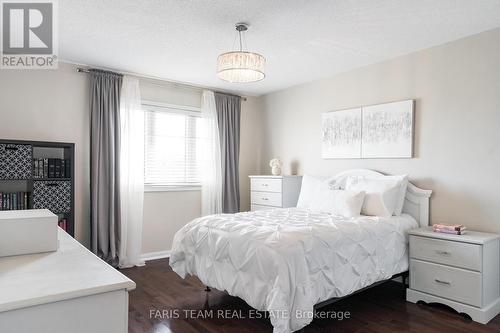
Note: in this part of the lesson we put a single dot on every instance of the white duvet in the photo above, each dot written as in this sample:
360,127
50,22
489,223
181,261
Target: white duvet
286,260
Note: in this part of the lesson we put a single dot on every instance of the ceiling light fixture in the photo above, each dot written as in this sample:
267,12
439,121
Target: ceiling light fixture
241,66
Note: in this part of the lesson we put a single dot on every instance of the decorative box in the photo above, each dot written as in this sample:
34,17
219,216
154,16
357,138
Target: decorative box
53,195
27,231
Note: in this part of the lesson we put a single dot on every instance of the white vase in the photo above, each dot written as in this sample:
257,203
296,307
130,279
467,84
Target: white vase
276,170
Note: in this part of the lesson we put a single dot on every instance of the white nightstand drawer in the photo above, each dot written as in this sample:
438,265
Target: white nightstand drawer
452,283
266,198
446,252
266,184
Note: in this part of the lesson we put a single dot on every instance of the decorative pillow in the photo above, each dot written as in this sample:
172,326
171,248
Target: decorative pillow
382,195
310,185
338,202
347,203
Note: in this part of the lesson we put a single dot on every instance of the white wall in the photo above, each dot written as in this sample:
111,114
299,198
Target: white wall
251,145
457,92
53,105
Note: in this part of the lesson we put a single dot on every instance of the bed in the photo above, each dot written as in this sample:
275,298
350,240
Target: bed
287,261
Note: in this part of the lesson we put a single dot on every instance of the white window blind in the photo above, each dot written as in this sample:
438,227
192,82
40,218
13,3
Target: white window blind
173,143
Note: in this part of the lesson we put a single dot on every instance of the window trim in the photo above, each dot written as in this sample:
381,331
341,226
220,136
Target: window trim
182,109
172,108
171,188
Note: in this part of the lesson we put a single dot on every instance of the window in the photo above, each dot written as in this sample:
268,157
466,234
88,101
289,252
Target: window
173,146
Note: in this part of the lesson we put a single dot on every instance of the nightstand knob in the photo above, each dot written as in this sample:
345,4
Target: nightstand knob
442,282
443,253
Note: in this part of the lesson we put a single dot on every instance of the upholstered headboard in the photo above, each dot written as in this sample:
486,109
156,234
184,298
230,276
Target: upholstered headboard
416,200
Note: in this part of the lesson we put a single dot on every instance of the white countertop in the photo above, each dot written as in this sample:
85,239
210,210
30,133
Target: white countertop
25,214
70,272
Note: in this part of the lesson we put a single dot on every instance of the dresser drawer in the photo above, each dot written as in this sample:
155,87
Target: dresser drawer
452,253
266,184
266,198
453,283
254,207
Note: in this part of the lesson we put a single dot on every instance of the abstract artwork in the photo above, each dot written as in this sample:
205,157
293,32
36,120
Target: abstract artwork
378,131
387,130
341,134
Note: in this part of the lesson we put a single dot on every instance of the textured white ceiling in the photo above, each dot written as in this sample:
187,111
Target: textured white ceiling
302,40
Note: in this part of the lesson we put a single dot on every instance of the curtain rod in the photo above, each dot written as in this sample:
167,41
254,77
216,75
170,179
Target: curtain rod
86,70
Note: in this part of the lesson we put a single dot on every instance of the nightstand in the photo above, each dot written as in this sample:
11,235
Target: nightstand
461,271
274,191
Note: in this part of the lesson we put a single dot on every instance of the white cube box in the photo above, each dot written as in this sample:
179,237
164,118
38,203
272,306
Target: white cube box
27,231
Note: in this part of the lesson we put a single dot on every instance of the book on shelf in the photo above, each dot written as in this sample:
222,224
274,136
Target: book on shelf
63,224
67,168
51,168
45,168
35,168
63,169
57,168
454,229
14,201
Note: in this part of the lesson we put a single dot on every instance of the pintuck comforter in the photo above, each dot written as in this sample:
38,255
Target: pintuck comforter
287,260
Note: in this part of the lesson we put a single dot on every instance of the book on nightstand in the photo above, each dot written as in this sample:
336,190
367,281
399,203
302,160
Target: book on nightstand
454,229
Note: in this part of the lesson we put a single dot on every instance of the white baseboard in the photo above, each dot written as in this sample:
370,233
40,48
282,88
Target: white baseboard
155,255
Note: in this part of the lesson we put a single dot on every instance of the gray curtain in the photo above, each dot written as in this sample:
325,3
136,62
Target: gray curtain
228,116
105,90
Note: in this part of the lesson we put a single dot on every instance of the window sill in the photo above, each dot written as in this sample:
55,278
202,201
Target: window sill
170,188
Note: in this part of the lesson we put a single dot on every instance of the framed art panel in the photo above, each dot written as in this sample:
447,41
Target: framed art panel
387,130
341,134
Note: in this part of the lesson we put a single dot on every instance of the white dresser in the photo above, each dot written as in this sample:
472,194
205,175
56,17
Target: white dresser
69,290
459,271
274,191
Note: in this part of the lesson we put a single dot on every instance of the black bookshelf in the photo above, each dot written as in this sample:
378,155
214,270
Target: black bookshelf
17,175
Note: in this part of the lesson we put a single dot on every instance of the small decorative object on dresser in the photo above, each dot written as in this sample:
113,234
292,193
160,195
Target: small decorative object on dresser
275,165
461,271
274,191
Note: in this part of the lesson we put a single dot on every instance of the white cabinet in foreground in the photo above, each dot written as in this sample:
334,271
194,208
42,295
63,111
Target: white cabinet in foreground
70,290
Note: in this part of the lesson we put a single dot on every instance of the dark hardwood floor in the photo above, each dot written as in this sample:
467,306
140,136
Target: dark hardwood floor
162,295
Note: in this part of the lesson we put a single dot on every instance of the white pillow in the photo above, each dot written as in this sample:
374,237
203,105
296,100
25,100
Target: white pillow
310,185
403,185
382,195
337,202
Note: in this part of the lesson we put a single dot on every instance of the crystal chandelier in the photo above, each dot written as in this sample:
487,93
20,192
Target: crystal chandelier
241,66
